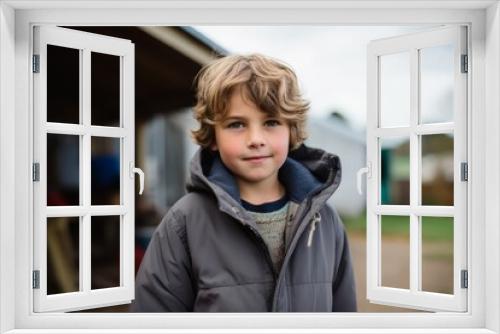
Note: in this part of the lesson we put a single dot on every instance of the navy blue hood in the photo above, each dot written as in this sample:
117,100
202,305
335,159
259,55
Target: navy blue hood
306,171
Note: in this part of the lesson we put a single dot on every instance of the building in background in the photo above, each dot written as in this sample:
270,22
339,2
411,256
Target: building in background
334,134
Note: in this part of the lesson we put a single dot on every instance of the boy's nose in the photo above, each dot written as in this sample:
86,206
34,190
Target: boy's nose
255,138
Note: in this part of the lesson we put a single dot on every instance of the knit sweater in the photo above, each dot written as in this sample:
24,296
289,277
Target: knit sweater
271,226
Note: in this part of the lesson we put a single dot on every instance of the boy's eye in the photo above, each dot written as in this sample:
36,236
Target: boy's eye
235,125
273,122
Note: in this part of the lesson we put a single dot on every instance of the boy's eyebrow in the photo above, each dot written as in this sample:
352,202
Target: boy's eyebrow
234,117
242,117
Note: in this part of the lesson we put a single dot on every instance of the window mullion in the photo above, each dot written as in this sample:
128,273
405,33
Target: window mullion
85,242
123,176
415,265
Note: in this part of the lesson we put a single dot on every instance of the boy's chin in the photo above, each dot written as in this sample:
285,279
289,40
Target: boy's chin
254,178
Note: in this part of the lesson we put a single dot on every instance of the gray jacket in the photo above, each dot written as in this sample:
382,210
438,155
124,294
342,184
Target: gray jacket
207,254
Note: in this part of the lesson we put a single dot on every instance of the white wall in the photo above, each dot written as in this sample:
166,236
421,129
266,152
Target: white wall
7,166
334,137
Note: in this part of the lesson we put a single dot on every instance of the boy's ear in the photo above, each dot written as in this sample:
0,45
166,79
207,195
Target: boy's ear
213,146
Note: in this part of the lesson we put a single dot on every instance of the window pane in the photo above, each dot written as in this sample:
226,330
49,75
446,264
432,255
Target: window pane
105,82
437,169
437,254
63,169
105,251
63,84
395,235
436,84
395,90
63,254
105,171
395,171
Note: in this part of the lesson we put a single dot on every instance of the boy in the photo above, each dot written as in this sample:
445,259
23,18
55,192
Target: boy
254,233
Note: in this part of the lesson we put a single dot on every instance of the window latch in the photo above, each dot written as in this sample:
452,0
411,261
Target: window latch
365,170
139,171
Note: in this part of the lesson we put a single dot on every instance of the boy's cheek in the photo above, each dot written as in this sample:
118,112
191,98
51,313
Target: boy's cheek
229,148
286,140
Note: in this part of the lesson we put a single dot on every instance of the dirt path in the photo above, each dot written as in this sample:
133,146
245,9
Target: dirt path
436,265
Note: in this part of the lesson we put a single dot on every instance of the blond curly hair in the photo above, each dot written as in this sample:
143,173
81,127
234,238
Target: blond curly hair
269,83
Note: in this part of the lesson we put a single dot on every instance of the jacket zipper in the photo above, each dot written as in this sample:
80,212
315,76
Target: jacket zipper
316,219
288,254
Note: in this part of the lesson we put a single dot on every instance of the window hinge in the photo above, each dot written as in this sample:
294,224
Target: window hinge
36,63
36,171
465,279
465,64
464,171
36,279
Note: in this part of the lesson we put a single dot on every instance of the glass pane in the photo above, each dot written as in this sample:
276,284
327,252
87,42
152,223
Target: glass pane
105,261
63,253
437,254
395,251
395,90
105,82
395,171
436,84
63,169
105,171
63,84
437,169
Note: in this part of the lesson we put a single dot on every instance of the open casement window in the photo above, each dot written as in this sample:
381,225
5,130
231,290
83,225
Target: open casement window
417,164
83,169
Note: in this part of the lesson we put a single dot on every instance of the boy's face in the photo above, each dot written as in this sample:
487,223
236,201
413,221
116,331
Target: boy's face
251,143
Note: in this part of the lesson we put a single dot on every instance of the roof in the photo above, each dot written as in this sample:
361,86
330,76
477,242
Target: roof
205,40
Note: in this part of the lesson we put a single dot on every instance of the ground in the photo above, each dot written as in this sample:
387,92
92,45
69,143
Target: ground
437,268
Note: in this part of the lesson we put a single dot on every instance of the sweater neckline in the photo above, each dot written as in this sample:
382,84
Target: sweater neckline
266,207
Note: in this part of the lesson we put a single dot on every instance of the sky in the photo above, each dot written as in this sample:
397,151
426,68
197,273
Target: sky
330,61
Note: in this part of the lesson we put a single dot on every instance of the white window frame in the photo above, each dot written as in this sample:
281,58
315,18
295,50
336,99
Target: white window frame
85,43
414,296
16,21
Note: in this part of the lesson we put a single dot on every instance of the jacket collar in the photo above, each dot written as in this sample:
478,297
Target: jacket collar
297,179
307,172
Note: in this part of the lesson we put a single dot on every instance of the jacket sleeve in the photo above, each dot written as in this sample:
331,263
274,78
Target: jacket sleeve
164,279
344,286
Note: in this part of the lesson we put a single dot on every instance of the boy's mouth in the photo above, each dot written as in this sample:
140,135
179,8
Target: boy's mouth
257,158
